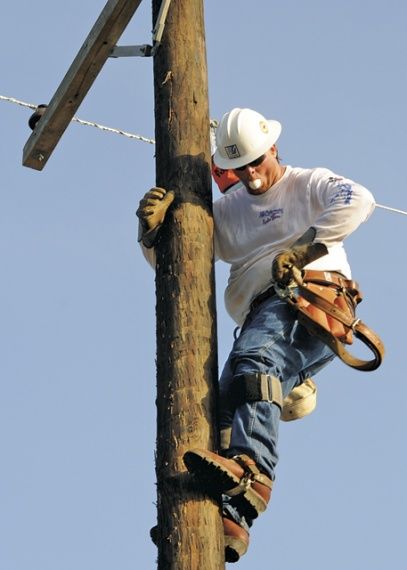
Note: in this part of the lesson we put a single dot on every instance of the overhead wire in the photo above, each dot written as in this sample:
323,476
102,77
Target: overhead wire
83,122
91,123
392,209
213,123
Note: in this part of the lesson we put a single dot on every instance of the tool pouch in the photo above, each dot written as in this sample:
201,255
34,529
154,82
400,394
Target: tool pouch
325,304
341,293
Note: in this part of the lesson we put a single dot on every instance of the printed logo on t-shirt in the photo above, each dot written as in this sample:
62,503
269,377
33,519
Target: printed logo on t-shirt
267,216
343,191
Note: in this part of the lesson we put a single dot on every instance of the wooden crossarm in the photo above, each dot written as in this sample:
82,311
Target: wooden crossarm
85,68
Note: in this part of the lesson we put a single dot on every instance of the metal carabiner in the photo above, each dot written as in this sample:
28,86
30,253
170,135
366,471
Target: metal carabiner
287,291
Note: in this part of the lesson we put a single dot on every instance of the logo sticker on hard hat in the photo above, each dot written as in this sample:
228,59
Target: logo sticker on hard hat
264,127
232,151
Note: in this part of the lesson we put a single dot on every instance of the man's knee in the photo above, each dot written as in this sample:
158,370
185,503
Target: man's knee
256,387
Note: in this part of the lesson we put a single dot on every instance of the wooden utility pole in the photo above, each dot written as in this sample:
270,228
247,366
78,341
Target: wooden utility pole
190,532
190,535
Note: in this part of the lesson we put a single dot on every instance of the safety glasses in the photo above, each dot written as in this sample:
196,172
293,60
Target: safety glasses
253,163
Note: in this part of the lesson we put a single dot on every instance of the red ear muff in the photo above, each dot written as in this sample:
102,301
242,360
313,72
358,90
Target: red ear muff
223,178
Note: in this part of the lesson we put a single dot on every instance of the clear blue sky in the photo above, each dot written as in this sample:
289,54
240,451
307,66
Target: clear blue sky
77,326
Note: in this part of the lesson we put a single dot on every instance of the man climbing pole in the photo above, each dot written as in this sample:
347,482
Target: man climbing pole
282,232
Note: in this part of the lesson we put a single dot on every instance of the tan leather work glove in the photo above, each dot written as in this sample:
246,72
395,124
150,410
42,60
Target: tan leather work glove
298,256
151,213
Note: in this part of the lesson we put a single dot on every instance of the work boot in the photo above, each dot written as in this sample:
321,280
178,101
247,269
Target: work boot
238,477
236,539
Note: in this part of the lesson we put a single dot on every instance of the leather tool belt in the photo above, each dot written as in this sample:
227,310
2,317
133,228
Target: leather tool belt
325,303
270,292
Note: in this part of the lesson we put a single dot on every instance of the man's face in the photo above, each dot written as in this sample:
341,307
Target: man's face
262,173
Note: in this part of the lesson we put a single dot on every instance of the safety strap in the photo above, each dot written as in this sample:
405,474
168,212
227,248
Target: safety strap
361,331
256,387
251,475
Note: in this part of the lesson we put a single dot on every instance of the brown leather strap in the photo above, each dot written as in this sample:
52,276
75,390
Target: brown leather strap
323,277
328,278
362,331
251,471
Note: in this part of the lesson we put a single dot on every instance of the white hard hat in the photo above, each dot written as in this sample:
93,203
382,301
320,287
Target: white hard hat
242,136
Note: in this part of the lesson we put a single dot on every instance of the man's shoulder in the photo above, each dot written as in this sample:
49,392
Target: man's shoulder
316,171
311,177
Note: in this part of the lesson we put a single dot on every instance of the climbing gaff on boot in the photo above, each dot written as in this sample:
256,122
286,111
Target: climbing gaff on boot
238,476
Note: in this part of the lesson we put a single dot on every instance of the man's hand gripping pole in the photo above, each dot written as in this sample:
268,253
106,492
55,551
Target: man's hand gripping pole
151,213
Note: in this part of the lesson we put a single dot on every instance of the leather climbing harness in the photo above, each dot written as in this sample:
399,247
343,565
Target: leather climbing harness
325,303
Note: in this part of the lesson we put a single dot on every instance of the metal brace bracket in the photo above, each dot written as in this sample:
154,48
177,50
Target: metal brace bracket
132,51
146,50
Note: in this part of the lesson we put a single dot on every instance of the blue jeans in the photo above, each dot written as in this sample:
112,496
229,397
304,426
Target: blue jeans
271,341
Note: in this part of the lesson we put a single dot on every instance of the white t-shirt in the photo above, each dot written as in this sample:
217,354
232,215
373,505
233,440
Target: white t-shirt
251,229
